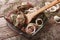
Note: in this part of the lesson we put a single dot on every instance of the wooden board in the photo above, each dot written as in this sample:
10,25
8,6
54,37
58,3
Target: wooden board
5,31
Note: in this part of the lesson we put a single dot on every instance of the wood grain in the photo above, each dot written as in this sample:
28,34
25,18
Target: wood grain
5,31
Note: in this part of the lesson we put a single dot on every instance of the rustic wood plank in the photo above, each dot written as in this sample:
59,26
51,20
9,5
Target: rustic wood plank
5,31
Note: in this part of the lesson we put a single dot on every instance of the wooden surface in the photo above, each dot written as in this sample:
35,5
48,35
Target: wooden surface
5,31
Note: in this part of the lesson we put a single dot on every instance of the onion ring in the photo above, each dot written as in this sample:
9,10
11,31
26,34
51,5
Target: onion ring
39,19
31,25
